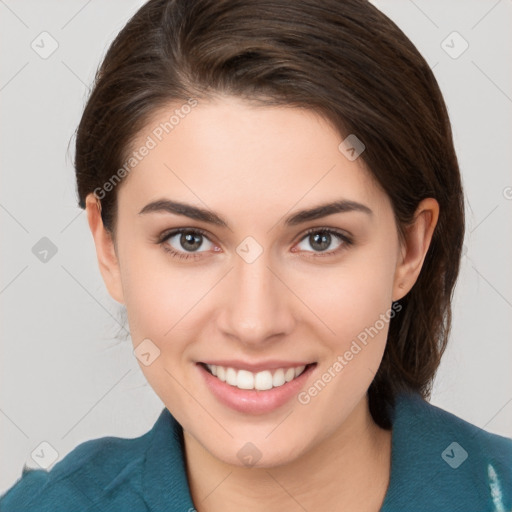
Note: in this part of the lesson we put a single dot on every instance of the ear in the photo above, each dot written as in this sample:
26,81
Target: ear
418,236
105,249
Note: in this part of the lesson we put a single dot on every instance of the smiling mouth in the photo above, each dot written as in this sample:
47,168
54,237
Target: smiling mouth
259,381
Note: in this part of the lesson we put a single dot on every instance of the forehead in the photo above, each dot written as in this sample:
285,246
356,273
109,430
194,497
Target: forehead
227,152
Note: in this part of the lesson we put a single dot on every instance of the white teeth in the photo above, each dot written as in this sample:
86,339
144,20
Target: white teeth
278,378
289,374
231,377
261,381
221,373
245,379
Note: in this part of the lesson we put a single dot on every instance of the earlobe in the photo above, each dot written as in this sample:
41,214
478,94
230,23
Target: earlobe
415,247
105,250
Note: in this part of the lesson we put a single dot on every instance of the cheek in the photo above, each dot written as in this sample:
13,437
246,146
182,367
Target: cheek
156,295
356,305
159,301
352,296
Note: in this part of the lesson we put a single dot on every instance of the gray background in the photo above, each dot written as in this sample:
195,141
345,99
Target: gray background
64,377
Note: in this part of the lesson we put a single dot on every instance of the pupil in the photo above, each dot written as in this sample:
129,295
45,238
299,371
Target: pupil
323,239
320,240
190,238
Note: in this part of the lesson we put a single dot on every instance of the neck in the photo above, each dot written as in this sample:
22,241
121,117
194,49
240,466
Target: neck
348,470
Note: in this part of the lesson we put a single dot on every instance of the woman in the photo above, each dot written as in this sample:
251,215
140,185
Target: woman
273,193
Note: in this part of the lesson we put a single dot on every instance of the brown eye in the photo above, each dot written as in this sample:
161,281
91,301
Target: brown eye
184,243
320,240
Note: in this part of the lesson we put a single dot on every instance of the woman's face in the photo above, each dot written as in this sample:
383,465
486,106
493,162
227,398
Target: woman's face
249,288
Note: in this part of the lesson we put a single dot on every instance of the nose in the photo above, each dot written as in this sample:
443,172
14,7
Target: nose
257,305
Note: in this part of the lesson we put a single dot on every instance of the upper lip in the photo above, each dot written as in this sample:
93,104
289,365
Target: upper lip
237,364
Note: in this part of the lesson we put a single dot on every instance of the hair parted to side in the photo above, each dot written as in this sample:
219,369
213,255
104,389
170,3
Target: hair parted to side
341,58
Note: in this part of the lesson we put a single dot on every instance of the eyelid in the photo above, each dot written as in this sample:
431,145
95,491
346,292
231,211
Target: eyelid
345,238
344,235
174,231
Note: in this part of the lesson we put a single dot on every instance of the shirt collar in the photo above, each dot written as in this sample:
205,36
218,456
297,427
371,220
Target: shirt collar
428,466
164,479
420,433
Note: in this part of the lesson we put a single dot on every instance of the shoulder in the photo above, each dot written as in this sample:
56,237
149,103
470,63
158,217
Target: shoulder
85,479
435,426
443,462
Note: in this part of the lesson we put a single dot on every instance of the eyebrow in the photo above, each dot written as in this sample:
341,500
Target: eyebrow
193,212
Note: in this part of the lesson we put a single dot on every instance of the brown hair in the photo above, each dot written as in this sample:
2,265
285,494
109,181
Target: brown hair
341,58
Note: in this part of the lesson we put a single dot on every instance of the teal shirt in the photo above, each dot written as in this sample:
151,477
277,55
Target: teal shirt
439,463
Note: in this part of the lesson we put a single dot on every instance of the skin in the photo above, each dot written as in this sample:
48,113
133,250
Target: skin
253,166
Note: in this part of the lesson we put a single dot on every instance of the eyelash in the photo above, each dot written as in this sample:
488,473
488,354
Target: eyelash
347,241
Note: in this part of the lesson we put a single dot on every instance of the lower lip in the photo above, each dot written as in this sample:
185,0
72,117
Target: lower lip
252,401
